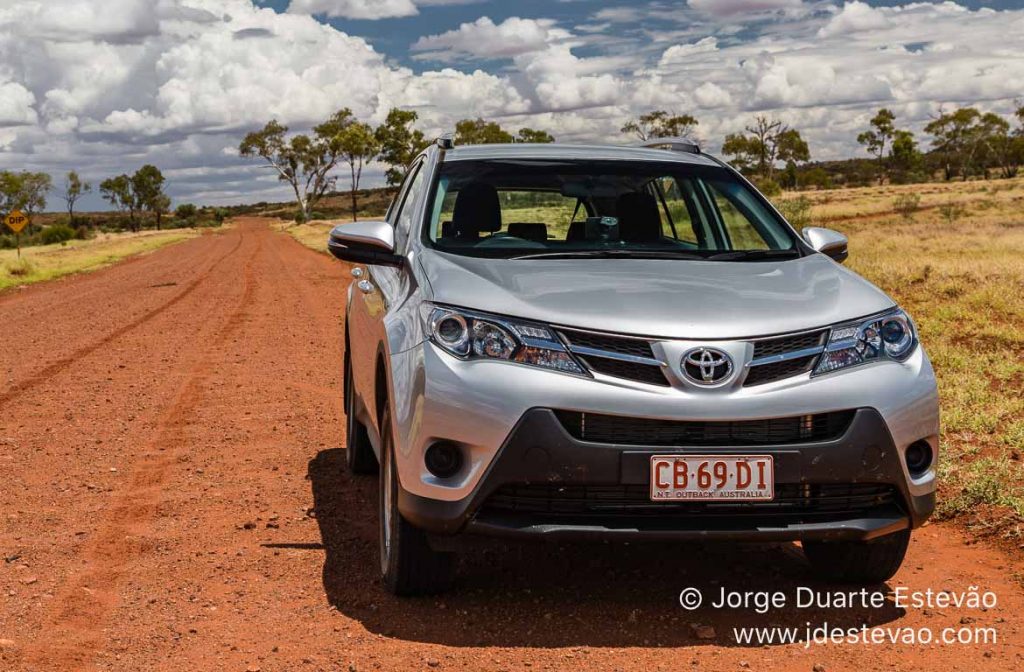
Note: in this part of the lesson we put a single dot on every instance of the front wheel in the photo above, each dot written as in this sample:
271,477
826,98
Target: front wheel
865,562
408,565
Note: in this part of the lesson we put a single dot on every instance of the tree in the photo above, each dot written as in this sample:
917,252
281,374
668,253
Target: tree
534,136
74,188
762,132
768,142
956,139
357,145
118,191
1001,149
790,147
904,156
185,214
304,162
661,124
399,143
25,191
743,151
147,186
876,139
480,132
160,206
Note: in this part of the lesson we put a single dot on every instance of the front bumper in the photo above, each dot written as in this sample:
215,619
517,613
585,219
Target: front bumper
540,451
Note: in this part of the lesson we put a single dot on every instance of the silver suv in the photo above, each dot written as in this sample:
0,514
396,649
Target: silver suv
588,342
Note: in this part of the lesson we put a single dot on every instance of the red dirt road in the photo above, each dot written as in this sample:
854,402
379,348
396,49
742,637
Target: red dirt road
172,497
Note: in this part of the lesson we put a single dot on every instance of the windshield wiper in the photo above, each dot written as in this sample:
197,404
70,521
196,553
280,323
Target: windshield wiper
739,255
613,254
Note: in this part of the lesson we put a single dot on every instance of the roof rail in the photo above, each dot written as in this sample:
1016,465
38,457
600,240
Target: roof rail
673,144
445,141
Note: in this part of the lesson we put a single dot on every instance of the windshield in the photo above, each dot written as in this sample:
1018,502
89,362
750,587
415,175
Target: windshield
519,209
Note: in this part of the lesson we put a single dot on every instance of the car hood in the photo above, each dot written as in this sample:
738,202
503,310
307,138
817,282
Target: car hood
679,299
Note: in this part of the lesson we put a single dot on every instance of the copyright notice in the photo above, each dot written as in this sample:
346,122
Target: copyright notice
804,598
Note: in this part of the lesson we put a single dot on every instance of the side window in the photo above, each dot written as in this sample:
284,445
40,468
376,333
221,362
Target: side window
396,202
675,217
407,206
743,217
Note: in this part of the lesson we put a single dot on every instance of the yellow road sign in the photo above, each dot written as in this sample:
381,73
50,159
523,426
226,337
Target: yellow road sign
16,221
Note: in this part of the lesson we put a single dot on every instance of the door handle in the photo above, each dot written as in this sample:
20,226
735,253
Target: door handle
365,286
357,272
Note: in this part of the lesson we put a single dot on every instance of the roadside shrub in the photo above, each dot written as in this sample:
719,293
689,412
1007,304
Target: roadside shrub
58,233
797,211
219,215
766,186
951,212
20,268
185,215
83,232
907,204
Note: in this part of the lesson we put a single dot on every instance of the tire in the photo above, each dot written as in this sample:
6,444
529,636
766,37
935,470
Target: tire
358,451
864,562
408,565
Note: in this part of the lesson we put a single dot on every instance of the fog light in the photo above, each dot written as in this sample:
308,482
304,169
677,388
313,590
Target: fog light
443,459
919,457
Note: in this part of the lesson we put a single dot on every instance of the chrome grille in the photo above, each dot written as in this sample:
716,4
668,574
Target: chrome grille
785,356
619,356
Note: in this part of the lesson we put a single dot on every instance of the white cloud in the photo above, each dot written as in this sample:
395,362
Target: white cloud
733,7
83,86
619,14
679,54
355,9
485,39
710,95
367,9
16,105
855,17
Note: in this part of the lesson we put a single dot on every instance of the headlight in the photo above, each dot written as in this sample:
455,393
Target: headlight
472,335
889,336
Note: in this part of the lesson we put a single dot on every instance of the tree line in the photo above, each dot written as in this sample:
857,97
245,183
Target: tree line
963,143
306,162
138,198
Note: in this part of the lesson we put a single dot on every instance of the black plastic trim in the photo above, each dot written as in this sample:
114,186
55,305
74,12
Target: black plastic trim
539,450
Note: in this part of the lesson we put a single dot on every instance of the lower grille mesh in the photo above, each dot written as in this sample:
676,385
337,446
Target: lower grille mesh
605,500
631,431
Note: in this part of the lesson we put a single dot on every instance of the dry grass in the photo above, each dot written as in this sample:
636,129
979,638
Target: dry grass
79,256
963,282
311,234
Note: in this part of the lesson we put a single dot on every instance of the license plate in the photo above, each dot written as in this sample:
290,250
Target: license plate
712,478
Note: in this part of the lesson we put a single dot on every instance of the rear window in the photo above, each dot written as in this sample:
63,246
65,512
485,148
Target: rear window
503,208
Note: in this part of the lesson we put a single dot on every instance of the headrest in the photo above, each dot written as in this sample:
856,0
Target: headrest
476,209
639,217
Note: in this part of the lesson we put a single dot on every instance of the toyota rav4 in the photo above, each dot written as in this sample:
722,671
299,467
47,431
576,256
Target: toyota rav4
625,343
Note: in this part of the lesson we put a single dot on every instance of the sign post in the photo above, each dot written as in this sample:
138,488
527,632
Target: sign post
16,221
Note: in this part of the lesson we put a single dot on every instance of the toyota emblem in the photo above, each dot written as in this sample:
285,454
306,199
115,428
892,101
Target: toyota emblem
706,366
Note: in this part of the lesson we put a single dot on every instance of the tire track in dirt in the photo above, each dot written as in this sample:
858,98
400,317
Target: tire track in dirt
63,363
75,627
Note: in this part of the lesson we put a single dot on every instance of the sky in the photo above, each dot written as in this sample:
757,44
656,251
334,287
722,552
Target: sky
105,86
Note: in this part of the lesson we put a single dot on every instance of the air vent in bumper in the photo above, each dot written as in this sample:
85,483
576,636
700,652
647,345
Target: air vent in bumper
632,431
611,500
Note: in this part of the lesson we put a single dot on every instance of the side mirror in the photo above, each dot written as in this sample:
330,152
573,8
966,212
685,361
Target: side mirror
828,242
365,243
